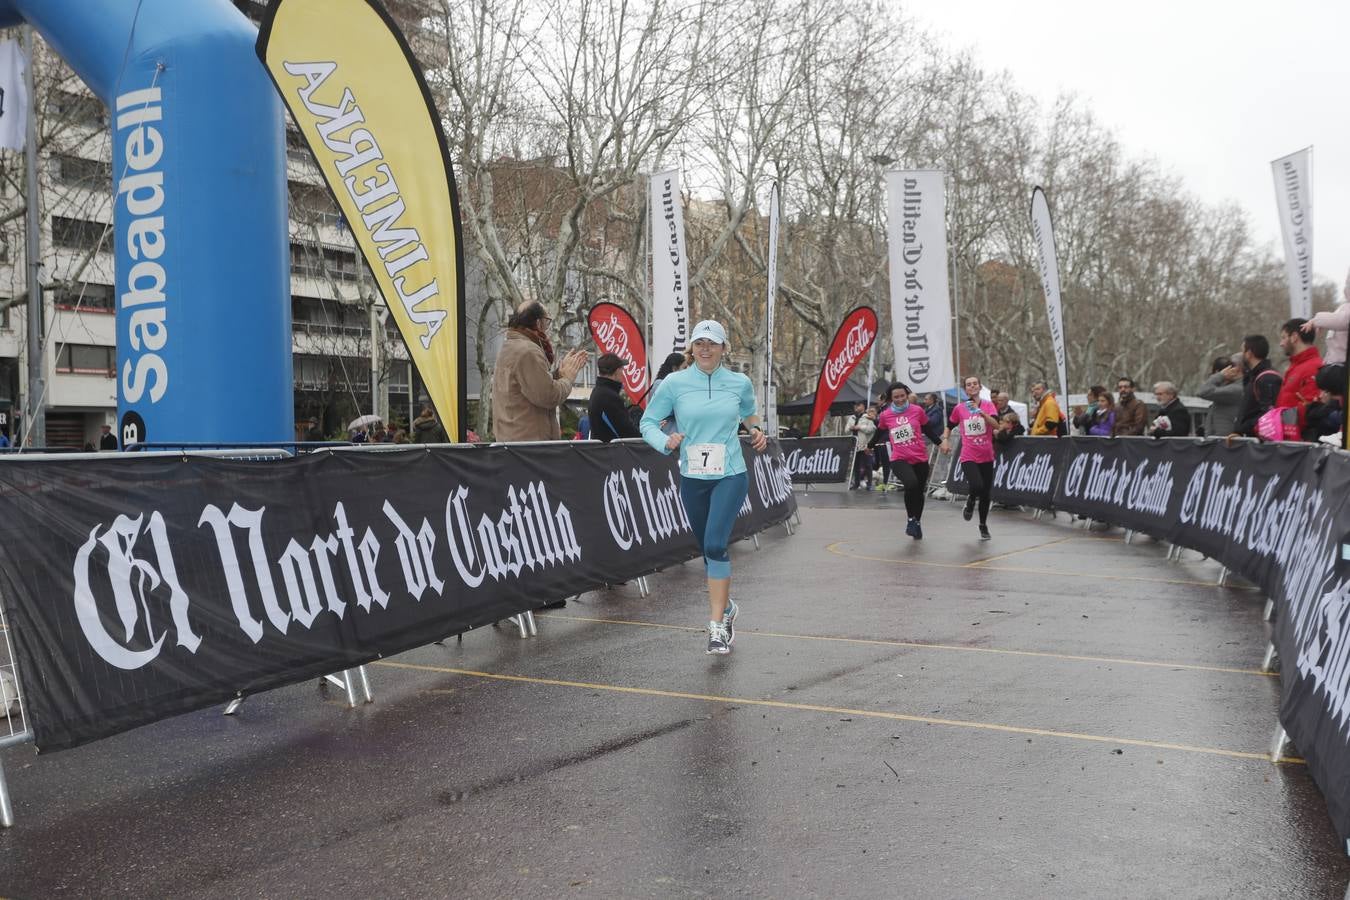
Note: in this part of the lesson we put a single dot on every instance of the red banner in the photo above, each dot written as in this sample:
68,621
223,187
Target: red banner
615,331
851,343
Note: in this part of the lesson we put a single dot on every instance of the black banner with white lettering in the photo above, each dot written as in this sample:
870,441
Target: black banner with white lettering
145,586
1024,473
1277,514
818,460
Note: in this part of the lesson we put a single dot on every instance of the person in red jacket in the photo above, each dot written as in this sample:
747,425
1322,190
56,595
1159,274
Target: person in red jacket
1300,379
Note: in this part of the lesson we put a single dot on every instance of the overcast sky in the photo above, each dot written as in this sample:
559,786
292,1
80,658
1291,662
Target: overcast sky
1213,90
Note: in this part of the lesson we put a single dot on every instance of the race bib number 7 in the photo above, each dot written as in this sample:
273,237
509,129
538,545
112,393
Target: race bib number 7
707,459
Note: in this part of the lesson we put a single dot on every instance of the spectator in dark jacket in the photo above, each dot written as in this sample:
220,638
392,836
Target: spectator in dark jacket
1326,415
606,409
425,428
1260,385
932,408
1009,427
1173,420
1131,414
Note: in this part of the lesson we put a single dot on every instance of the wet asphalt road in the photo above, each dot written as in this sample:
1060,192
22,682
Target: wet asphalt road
1050,714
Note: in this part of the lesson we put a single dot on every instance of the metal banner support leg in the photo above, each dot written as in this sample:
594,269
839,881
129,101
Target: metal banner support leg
6,807
644,589
1278,744
1129,536
365,684
1269,613
1272,657
1223,576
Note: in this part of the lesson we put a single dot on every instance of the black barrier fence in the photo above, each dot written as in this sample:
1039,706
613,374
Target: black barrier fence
142,586
1277,514
818,460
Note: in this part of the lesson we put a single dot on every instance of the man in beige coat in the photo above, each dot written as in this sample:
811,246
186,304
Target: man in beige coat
526,391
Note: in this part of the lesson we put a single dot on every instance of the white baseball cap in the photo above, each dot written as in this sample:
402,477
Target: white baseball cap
709,329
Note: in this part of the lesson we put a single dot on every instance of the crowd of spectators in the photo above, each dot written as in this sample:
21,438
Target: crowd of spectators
1249,394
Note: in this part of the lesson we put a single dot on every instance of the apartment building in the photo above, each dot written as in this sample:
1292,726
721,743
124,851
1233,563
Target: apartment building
335,306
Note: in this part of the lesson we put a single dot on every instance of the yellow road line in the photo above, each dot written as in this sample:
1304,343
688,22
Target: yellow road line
979,562
833,548
834,710
923,645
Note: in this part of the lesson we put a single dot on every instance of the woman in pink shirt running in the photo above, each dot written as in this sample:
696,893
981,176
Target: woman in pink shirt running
903,421
976,420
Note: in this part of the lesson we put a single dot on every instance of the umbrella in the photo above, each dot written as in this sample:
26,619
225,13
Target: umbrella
363,422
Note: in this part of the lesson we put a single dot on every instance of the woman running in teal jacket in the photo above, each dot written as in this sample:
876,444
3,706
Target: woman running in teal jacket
708,402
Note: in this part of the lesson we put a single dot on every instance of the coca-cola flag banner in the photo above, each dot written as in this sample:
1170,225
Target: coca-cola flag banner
921,308
1278,514
1293,197
148,585
615,331
1043,234
851,343
817,460
670,267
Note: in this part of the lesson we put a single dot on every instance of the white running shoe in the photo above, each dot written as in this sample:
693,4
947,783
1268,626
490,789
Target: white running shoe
729,621
718,641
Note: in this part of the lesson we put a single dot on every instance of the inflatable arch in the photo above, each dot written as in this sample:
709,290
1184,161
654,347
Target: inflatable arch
199,181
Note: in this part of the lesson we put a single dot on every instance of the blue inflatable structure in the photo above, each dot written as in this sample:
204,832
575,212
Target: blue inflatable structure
199,183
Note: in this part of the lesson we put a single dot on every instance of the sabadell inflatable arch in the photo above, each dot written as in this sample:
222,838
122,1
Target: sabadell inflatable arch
199,183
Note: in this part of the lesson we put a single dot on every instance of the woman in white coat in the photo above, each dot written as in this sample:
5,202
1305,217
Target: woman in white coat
1337,321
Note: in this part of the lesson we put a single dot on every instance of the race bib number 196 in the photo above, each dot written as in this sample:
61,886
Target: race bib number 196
974,426
707,459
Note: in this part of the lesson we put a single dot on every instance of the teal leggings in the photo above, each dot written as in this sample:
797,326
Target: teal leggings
712,506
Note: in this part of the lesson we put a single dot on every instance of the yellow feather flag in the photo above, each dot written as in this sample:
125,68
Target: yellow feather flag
354,88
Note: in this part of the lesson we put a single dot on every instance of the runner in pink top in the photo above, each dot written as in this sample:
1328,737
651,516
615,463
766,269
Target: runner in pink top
903,421
975,419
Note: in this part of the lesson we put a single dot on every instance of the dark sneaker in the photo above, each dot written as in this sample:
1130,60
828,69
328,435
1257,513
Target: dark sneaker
918,531
969,510
717,639
729,621
984,532
912,527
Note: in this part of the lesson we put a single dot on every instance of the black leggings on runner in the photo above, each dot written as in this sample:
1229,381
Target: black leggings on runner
914,476
980,477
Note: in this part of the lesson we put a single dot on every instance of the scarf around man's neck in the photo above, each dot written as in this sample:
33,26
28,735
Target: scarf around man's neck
539,339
